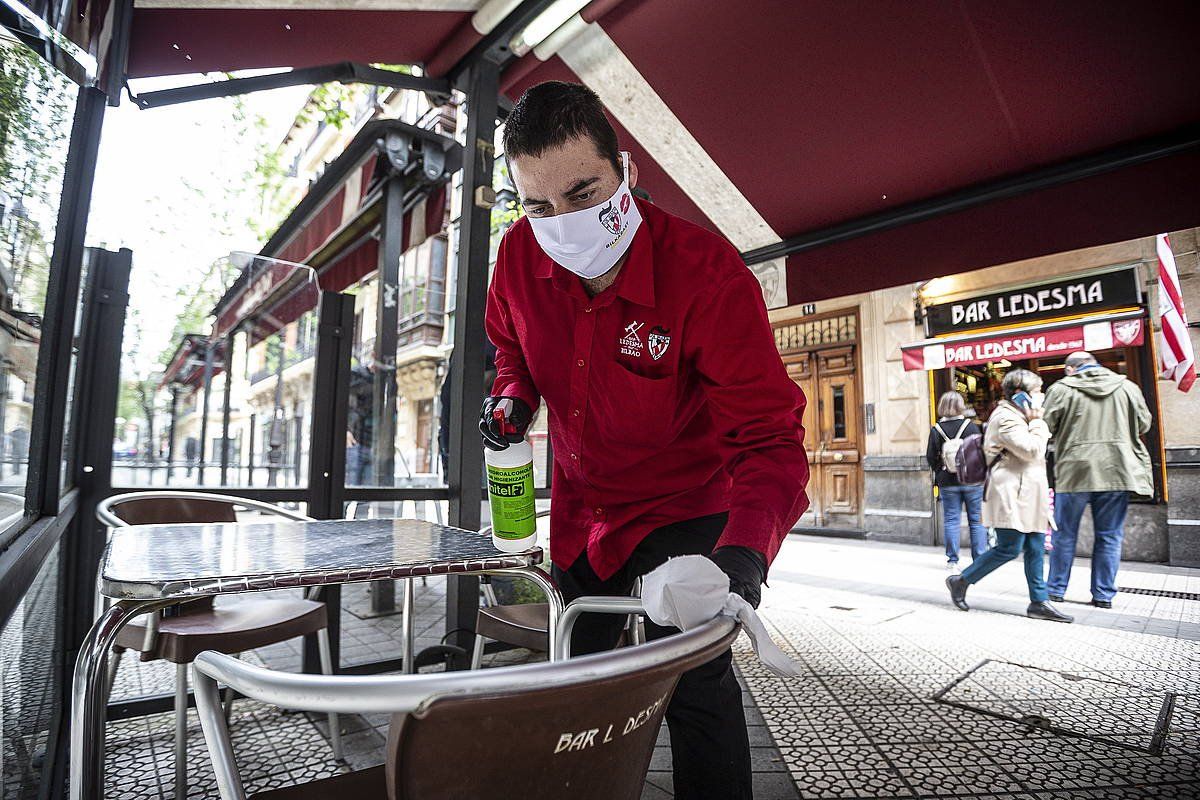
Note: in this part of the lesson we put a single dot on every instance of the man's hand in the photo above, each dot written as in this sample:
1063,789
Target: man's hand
746,568
516,414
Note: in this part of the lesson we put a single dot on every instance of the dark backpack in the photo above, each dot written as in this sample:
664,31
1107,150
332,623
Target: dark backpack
971,462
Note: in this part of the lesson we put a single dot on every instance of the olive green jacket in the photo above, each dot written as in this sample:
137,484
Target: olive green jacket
1097,418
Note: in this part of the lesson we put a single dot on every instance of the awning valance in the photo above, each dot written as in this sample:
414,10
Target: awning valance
1099,332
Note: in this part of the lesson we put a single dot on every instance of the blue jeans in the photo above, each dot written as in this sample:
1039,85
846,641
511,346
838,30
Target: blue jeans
1108,520
358,465
953,499
1009,545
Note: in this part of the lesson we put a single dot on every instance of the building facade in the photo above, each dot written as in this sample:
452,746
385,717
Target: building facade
872,366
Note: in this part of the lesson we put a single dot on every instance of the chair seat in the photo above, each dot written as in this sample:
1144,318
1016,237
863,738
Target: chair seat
363,784
520,625
233,628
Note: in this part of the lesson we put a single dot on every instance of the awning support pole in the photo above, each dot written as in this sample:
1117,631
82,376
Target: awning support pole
226,401
171,434
465,462
208,373
387,323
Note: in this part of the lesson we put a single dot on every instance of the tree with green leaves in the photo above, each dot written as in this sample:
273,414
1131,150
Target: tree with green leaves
35,122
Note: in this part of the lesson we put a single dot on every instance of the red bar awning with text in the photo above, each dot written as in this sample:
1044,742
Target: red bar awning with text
1049,341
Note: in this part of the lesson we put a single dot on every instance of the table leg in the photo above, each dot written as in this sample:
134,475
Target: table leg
408,626
89,700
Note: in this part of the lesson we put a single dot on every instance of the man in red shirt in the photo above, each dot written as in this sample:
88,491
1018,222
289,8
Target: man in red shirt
675,427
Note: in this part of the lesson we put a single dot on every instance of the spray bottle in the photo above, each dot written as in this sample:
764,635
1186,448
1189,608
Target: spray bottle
510,491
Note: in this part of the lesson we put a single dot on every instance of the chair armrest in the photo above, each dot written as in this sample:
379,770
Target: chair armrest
592,605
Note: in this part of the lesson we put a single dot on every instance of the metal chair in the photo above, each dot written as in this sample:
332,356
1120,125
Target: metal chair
583,728
525,624
199,625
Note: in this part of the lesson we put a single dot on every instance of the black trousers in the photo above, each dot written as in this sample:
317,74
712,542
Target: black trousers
710,747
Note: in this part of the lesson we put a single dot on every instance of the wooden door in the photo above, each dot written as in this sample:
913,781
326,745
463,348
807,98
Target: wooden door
839,454
801,368
833,438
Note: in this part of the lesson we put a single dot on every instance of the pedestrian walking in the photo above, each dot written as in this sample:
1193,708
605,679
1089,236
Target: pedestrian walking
1014,497
1097,418
945,438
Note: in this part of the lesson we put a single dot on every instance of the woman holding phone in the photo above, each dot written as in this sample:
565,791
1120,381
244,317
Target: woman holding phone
1015,495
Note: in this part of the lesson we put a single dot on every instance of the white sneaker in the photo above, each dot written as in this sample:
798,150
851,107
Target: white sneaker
952,566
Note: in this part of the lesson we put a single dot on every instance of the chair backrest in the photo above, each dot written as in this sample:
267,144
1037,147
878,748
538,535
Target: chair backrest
589,741
164,507
583,729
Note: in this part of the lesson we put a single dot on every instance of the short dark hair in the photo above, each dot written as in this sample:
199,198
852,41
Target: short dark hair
555,112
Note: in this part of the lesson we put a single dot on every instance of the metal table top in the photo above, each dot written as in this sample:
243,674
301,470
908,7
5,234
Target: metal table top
155,562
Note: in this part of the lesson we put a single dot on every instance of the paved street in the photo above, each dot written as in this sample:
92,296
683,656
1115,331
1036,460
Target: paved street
872,626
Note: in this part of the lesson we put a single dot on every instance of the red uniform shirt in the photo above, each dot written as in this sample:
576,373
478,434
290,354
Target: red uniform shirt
667,398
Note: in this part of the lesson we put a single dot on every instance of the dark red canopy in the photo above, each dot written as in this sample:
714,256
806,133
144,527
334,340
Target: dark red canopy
799,117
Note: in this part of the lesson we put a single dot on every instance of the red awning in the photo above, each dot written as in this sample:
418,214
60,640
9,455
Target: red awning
335,237
1035,341
187,363
770,121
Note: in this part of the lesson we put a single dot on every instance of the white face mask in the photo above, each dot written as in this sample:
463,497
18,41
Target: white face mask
590,242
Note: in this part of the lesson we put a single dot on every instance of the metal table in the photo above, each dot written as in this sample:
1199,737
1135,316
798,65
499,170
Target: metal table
147,567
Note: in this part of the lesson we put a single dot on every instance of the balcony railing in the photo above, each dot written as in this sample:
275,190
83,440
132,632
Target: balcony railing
291,358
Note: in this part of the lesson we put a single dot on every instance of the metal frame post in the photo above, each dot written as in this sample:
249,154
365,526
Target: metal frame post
97,386
171,433
384,389
208,373
467,361
226,399
327,444
250,434
62,295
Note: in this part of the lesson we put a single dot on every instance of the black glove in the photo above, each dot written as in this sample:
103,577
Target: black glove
746,568
516,415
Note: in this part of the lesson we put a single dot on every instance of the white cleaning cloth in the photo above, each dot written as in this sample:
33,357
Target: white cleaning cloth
688,591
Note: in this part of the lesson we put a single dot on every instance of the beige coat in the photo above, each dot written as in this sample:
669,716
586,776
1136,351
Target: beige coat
1017,495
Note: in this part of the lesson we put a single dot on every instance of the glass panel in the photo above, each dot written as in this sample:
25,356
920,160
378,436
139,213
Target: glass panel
29,685
839,412
259,353
36,106
395,434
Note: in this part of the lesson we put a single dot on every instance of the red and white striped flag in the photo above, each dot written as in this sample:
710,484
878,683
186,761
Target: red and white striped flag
1176,358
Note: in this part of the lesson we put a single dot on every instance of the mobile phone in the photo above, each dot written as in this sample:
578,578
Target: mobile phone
1022,400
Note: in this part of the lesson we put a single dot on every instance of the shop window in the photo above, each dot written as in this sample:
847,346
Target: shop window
37,103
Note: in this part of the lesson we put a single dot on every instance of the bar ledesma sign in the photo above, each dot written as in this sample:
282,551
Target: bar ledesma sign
1080,295
1025,344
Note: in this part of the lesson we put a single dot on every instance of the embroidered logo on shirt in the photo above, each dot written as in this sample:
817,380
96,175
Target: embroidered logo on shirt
658,340
631,343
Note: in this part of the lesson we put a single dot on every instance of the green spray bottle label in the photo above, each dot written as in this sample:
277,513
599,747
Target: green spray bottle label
510,493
